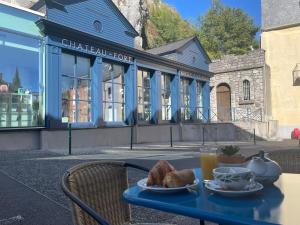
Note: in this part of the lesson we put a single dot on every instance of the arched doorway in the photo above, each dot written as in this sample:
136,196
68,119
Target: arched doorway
224,102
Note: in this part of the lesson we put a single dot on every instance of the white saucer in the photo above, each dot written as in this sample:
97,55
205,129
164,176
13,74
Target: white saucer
143,184
250,189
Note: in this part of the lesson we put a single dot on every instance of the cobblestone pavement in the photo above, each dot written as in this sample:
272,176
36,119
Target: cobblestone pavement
31,175
39,173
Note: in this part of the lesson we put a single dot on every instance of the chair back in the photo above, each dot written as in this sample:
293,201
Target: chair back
100,185
289,160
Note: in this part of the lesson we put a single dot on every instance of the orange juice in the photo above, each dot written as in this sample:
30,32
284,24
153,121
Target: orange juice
208,162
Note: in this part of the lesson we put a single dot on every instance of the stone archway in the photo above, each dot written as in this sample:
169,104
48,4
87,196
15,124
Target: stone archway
224,102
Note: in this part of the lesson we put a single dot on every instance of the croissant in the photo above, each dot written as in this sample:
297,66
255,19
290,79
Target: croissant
158,173
179,178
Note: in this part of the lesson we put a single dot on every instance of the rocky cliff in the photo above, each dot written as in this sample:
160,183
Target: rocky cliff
136,11
156,22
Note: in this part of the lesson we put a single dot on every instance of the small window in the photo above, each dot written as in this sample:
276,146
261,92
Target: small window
98,26
194,59
246,90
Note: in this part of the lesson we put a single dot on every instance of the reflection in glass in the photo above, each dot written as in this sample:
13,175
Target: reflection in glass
199,107
68,88
21,82
69,109
144,95
76,89
108,111
84,90
83,67
113,88
185,98
166,97
67,64
84,111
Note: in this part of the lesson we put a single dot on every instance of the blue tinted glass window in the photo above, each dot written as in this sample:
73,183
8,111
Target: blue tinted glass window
199,106
185,98
144,95
166,96
76,86
21,81
113,96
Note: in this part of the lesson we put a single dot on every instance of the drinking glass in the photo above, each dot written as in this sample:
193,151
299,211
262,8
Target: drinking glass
208,161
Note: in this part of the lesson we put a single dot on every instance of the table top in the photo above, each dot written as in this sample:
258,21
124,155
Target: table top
275,204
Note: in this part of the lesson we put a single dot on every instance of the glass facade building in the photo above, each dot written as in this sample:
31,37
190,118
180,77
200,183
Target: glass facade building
59,72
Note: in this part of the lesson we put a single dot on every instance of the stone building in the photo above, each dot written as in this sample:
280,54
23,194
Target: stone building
238,88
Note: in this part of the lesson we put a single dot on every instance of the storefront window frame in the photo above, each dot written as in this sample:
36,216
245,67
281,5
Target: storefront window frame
77,124
40,75
123,84
164,91
199,100
150,90
185,98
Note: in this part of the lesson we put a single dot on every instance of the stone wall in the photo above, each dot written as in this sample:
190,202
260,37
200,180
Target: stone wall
233,70
93,138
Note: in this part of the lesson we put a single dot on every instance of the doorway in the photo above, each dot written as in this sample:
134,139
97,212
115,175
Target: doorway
224,102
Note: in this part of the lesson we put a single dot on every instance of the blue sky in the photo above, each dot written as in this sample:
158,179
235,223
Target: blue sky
191,9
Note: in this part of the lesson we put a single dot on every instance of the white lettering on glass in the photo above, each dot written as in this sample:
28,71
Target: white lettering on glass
97,51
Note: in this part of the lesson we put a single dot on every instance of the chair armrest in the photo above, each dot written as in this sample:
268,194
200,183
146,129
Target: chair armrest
80,203
136,167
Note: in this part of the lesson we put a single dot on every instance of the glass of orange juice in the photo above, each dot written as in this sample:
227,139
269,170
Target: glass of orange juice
208,161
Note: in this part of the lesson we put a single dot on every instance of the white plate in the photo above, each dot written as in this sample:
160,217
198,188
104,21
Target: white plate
143,184
214,187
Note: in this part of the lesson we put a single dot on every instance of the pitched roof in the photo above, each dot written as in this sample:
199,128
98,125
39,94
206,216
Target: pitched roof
170,47
175,46
39,3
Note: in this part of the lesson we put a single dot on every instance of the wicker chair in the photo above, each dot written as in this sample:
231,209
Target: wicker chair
289,160
96,191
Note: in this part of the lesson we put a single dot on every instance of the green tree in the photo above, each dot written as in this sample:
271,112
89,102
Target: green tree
225,30
16,83
165,25
1,79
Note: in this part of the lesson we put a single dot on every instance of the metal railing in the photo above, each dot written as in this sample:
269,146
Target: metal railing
231,115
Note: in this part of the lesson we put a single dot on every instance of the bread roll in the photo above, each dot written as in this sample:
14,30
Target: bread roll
179,178
158,173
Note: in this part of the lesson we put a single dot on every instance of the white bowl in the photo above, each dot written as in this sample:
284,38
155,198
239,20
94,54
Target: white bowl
233,178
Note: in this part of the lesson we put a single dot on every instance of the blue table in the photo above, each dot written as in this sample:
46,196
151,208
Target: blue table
275,204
